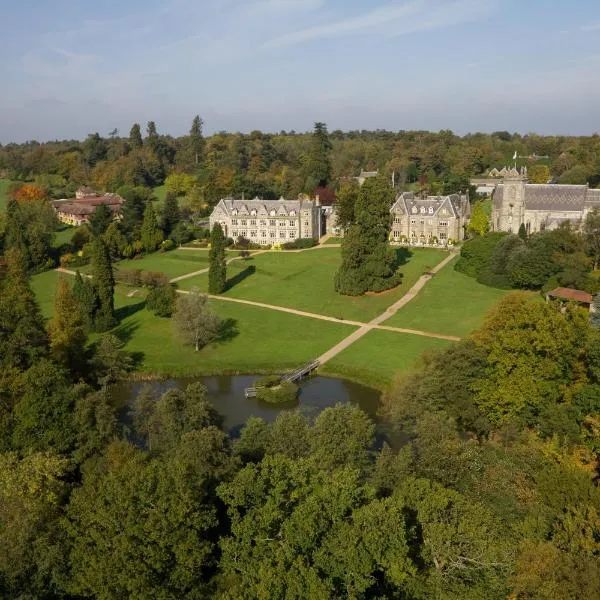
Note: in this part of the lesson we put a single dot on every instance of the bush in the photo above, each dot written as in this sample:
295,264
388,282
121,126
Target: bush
273,390
129,276
161,300
476,254
153,279
245,244
300,243
167,245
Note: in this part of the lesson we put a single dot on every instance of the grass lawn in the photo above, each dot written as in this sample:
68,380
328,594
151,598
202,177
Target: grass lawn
63,235
451,303
304,281
172,264
256,339
379,356
333,240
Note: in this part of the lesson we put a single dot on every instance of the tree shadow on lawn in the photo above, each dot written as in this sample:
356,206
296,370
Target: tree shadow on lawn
123,312
403,255
227,332
239,277
125,331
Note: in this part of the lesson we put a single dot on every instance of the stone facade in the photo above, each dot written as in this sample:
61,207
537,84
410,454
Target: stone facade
267,222
540,206
417,220
77,211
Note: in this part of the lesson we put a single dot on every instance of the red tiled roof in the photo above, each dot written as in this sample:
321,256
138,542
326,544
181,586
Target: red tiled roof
570,294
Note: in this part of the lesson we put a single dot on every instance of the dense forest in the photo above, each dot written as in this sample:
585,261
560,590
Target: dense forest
205,169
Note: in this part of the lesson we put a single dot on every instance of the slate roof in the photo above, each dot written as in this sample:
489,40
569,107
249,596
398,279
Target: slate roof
264,207
457,205
549,197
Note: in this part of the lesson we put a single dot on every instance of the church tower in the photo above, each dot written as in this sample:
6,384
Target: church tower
510,212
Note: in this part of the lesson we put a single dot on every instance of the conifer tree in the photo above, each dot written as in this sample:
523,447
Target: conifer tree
171,215
100,220
104,285
217,271
150,235
197,139
135,137
23,338
85,294
346,203
319,161
368,263
67,330
522,231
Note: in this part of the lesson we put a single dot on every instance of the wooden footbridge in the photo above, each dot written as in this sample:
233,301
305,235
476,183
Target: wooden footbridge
297,375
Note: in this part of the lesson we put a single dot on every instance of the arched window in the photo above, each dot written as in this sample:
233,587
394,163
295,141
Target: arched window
414,210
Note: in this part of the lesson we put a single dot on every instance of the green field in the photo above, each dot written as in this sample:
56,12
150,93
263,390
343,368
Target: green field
172,264
304,281
451,304
333,240
379,356
255,339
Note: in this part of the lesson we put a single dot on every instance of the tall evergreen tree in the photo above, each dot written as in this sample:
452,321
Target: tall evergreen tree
368,263
103,281
67,330
23,338
217,270
132,209
347,196
319,161
152,138
150,235
197,139
87,299
171,215
135,137
100,219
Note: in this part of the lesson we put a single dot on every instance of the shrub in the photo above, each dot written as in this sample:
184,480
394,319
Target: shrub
129,276
161,300
476,254
167,245
153,279
273,390
300,243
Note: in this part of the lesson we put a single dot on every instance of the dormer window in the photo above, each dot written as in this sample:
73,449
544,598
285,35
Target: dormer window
253,212
414,210
273,213
422,210
431,210
234,211
292,213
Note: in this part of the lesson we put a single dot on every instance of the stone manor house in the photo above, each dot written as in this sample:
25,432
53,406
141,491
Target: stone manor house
268,222
539,206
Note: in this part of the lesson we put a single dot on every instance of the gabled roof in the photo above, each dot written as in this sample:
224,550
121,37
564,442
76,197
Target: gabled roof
456,205
550,197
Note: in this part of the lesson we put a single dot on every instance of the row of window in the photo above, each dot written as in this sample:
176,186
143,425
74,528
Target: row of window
263,234
273,213
263,223
413,234
414,210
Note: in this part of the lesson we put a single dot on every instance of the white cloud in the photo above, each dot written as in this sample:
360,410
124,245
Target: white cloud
394,19
591,27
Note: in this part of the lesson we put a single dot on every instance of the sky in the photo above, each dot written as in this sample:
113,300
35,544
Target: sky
72,67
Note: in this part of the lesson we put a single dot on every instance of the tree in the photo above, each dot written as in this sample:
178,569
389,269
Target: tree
479,223
136,199
194,321
23,338
103,281
150,234
109,361
347,197
100,220
32,491
538,174
115,241
591,231
368,263
85,294
217,271
170,215
161,300
135,137
94,149
67,330
197,139
152,138
522,231
318,159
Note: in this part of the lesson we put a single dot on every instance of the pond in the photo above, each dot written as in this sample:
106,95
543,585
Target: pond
227,395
